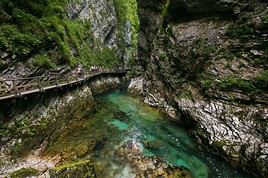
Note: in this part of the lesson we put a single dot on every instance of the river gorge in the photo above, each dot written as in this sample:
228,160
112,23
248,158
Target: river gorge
127,138
134,88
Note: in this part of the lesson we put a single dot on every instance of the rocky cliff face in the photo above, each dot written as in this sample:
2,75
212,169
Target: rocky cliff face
36,36
205,64
41,37
102,17
26,128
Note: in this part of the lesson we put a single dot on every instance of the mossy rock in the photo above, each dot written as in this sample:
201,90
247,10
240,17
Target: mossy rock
154,144
23,173
40,31
262,80
220,144
81,169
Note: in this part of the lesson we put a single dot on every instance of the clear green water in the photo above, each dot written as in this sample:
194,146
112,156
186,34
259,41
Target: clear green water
120,118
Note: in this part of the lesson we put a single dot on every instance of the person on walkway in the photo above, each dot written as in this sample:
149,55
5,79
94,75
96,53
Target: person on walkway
79,71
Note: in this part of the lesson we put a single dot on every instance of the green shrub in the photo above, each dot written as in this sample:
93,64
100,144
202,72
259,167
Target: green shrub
241,31
206,84
127,10
201,47
42,60
231,82
37,24
24,172
165,8
262,80
108,58
16,42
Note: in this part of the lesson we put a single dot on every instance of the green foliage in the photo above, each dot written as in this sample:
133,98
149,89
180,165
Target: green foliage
165,8
207,83
127,10
231,82
80,38
1,63
4,131
71,165
81,169
259,61
29,29
262,80
35,26
201,47
42,60
103,57
242,31
265,22
24,172
162,55
16,42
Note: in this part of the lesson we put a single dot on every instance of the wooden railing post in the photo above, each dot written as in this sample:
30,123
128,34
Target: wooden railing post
15,88
20,88
57,83
68,79
1,86
40,84
76,77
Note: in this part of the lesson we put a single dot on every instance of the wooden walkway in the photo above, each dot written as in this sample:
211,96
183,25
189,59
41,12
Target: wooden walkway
17,87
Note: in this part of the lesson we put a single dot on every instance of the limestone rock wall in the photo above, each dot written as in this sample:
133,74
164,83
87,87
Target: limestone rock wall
204,64
28,127
51,36
102,17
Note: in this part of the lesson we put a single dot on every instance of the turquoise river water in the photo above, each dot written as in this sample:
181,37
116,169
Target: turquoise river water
120,118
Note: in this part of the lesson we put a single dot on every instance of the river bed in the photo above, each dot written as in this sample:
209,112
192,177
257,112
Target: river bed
125,138
122,119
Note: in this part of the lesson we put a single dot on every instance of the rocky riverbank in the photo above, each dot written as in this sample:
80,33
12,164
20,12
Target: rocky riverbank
26,130
205,66
148,166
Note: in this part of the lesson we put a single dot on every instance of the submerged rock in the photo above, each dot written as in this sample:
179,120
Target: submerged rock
81,169
144,166
24,172
154,144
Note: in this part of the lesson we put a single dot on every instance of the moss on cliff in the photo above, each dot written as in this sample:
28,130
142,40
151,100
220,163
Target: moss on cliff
262,80
82,169
127,10
231,82
242,31
40,30
24,172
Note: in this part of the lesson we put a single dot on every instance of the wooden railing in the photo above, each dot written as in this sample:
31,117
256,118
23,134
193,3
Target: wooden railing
15,87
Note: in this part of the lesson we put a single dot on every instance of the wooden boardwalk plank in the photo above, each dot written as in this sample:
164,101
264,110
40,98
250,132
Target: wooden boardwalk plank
52,84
